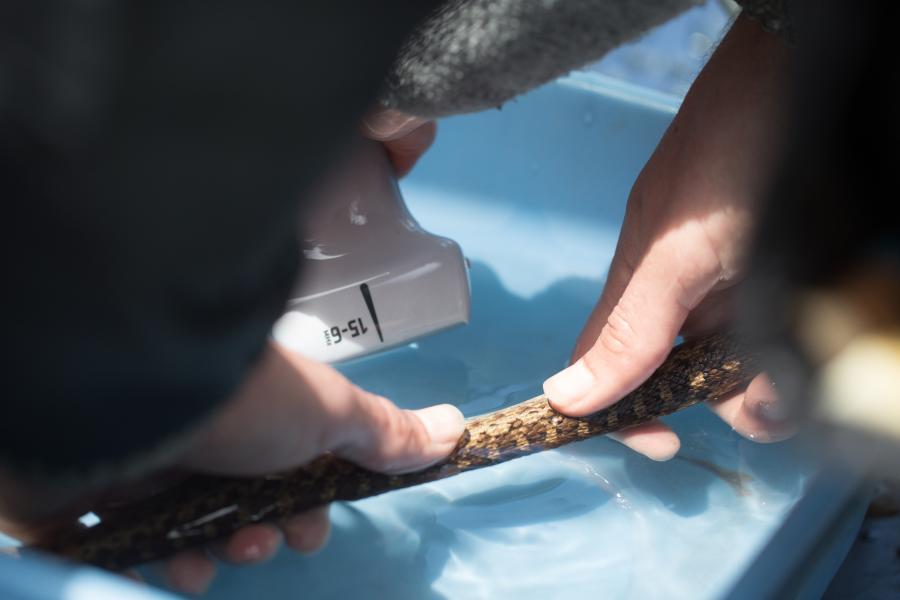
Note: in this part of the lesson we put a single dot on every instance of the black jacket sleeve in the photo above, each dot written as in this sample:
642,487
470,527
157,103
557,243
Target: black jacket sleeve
153,156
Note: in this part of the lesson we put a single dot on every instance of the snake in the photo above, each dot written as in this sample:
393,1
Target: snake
205,508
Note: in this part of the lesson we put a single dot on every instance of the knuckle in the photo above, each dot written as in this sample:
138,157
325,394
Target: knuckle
618,335
621,339
396,420
383,425
336,391
395,434
700,256
342,403
689,258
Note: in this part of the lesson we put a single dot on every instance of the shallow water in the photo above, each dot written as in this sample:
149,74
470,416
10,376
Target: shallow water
590,517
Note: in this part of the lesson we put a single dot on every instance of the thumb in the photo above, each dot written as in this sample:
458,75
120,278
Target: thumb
292,409
382,437
386,124
405,137
638,316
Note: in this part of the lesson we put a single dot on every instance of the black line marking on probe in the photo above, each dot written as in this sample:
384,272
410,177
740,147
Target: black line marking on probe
367,296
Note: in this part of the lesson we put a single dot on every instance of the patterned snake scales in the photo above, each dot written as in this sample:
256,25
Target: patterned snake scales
205,508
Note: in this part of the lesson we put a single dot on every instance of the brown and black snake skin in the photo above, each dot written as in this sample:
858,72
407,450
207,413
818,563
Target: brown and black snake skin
205,508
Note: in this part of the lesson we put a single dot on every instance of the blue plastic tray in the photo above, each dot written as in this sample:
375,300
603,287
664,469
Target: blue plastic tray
535,195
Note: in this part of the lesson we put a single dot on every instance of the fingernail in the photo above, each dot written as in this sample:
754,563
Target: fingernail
569,385
444,422
387,124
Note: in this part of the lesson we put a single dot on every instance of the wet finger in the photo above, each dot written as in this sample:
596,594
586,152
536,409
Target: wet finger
405,152
307,532
249,545
190,572
757,413
380,436
655,440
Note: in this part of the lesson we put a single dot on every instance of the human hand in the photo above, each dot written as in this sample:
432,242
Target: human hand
677,265
405,137
383,438
289,410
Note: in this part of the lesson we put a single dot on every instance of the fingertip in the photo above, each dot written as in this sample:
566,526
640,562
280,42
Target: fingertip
760,430
655,440
307,532
404,152
765,416
601,377
190,572
387,439
444,423
568,389
251,545
439,430
762,398
744,416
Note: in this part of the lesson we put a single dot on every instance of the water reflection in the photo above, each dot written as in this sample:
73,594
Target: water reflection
590,516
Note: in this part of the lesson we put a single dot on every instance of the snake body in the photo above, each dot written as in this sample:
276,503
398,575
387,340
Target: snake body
205,508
